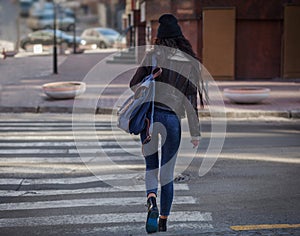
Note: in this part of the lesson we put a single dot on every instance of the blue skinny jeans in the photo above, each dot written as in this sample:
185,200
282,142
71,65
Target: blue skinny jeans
168,126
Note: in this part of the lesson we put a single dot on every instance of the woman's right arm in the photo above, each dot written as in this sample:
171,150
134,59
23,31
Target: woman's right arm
191,107
140,73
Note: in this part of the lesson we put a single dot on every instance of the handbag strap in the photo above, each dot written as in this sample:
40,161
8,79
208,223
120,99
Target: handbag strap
153,62
155,75
156,72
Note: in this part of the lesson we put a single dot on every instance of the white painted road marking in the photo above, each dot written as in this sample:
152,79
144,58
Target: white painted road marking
65,160
139,229
71,180
65,144
91,202
132,188
67,151
181,216
22,150
69,137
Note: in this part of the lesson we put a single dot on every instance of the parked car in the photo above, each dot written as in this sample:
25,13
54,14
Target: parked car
25,6
38,8
100,37
45,20
45,37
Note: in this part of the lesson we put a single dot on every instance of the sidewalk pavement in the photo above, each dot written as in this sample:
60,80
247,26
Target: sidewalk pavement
22,79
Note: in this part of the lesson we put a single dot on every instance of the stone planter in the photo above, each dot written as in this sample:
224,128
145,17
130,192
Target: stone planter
246,95
64,90
10,53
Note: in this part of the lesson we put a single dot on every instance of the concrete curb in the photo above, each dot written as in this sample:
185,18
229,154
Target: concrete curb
255,114
17,109
295,114
292,114
259,114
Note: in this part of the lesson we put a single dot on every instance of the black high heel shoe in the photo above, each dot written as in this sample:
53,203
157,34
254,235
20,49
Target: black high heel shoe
162,225
151,224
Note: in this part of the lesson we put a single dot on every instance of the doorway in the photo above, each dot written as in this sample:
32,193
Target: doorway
219,42
291,39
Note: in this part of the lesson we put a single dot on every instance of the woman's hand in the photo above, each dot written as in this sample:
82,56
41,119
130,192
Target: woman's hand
195,143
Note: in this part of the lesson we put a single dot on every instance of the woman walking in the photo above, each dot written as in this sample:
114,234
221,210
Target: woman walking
172,102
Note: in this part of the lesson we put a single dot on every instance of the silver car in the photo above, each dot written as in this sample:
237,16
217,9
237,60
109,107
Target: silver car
100,37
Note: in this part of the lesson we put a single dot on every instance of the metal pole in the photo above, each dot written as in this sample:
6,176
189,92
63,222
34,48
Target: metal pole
74,35
130,31
18,28
54,40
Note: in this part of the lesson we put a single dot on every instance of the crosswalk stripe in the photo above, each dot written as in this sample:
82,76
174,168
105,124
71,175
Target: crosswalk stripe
44,148
62,160
55,123
59,168
180,216
106,150
33,151
139,229
91,202
69,137
54,128
73,180
66,151
65,144
63,132
115,188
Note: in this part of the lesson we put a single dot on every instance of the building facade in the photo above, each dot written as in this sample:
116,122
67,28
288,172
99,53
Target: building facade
250,39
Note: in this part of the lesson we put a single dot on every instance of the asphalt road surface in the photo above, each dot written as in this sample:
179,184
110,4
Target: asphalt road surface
46,188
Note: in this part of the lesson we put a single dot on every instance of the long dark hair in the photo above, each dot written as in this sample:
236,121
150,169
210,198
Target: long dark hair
182,44
179,42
